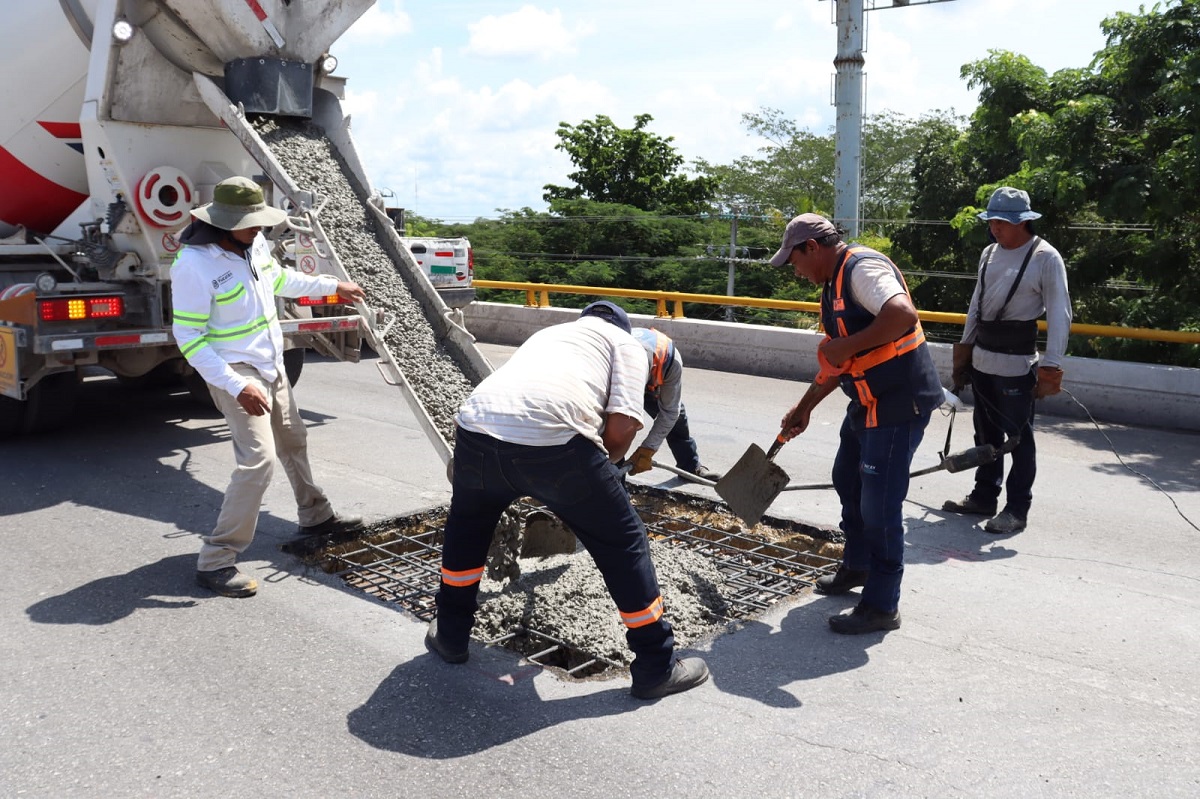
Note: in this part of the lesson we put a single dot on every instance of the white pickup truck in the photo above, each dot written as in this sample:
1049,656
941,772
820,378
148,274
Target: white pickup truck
450,265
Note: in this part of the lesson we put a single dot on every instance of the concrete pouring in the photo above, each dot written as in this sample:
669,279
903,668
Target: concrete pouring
1057,662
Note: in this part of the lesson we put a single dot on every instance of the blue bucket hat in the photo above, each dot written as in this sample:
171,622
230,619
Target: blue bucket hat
1009,205
609,312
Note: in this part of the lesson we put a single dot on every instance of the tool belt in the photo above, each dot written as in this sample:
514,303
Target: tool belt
1010,337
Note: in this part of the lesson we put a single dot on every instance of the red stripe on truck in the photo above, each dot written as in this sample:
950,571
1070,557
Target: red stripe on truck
31,200
257,9
62,130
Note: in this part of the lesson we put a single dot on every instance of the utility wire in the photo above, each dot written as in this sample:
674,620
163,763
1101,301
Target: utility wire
1121,460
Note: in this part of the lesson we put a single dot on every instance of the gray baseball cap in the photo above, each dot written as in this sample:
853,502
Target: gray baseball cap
800,230
1009,205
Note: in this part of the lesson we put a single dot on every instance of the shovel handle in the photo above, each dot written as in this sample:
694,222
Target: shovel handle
775,446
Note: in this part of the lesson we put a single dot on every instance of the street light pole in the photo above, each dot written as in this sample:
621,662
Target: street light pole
733,231
850,18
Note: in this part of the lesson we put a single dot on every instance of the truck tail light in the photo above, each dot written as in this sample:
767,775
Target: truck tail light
72,309
471,263
332,299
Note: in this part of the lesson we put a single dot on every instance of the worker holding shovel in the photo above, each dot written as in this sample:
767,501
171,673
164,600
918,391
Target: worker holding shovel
877,350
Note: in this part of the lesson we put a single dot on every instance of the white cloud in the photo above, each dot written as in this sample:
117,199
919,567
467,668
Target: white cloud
386,19
527,32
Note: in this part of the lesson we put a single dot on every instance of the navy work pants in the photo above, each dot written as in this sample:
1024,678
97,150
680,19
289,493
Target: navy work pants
578,483
1004,408
870,473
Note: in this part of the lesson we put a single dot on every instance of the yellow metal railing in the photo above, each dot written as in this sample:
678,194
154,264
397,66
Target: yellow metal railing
537,295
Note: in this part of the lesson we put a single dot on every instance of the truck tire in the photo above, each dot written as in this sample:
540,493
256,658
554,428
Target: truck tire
12,416
293,364
198,389
50,403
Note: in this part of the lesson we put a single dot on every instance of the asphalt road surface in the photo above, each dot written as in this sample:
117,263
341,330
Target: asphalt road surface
1058,662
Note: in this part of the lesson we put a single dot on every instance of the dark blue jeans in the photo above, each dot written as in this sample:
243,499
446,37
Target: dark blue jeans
1004,408
578,483
679,440
870,474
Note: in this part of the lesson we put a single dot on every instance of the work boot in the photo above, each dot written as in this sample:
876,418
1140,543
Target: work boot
841,582
1005,522
864,620
971,506
228,582
435,644
687,673
334,525
706,473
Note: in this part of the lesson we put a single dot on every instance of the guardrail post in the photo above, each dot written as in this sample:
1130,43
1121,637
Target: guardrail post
660,310
545,299
678,314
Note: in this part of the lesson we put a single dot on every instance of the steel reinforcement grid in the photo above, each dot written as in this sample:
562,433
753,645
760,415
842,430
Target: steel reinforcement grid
404,569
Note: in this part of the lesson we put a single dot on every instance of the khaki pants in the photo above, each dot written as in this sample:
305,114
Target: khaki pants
257,442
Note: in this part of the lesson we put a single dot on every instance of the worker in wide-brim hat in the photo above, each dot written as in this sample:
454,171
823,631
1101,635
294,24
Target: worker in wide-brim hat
223,288
1021,278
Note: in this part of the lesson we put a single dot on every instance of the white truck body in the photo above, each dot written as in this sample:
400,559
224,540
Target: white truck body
449,263
103,155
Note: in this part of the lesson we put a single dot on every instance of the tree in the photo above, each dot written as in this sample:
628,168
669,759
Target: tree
631,167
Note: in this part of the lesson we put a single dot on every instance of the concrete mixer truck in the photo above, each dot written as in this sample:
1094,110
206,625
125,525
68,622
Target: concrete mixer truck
119,117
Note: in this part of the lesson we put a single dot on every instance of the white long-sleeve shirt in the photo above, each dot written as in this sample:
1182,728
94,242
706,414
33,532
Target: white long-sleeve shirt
224,310
1043,290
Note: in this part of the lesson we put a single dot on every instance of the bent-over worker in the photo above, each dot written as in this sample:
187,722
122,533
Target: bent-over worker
556,435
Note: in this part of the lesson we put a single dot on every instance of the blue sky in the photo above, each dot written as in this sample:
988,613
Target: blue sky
455,104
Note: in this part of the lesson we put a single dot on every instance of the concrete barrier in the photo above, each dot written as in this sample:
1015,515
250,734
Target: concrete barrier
1113,391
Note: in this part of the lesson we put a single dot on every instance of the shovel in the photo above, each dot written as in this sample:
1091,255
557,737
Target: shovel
753,483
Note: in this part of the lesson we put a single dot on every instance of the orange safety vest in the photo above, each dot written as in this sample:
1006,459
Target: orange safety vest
662,355
892,382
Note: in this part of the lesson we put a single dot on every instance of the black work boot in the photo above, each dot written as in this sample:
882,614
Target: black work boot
840,583
687,673
970,505
228,582
864,619
448,653
334,525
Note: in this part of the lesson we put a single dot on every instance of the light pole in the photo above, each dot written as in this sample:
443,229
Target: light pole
850,18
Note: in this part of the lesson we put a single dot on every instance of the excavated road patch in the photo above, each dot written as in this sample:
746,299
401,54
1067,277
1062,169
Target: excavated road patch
558,613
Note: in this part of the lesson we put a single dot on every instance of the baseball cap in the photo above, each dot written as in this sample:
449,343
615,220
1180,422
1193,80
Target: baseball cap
800,230
609,312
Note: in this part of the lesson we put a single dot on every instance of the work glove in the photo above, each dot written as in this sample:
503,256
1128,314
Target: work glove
961,373
828,371
1049,381
641,460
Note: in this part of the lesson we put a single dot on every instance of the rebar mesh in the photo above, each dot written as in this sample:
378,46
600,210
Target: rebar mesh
399,562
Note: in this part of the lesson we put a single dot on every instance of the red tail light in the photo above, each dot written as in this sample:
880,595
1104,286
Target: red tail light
73,309
332,299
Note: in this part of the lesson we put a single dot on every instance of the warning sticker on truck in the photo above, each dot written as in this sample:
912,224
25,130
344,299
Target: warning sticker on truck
8,362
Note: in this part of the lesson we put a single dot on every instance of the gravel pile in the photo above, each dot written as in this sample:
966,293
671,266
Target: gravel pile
564,596
308,156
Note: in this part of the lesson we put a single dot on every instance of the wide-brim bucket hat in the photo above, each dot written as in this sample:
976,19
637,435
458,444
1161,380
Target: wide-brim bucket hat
238,203
1009,205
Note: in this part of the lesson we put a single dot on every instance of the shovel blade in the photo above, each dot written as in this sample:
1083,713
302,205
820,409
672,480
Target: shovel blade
752,485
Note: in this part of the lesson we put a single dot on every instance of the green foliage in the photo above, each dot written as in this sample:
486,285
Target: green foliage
626,166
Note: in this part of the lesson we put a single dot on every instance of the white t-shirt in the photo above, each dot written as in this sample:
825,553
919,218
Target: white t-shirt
561,382
873,282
